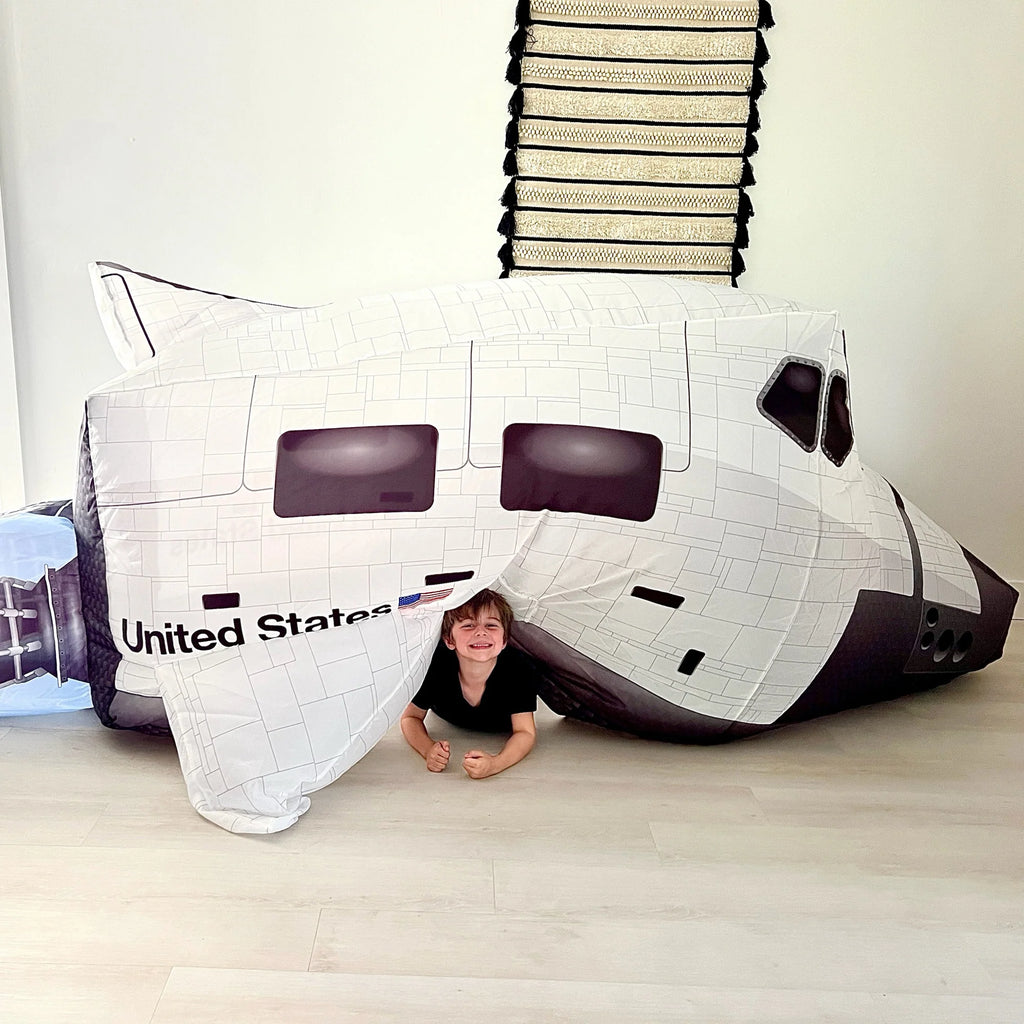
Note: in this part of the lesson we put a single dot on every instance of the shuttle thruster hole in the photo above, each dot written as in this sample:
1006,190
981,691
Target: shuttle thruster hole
927,640
945,644
963,645
931,617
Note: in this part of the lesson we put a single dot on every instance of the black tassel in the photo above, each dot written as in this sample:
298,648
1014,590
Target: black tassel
517,44
761,54
521,39
508,198
742,235
754,118
746,208
744,211
757,85
738,266
505,255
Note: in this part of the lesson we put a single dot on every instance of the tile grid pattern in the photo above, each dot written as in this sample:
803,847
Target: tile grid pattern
769,579
218,405
768,543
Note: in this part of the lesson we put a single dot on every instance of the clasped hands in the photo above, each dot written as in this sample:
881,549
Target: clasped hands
476,763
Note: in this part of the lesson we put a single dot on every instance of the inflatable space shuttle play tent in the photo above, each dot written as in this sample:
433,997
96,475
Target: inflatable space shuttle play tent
276,505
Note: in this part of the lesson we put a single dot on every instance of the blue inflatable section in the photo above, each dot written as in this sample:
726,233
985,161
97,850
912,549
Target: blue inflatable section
42,644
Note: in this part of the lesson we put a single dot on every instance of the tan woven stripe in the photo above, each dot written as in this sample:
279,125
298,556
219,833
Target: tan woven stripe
589,85
744,14
642,76
723,278
604,254
586,42
713,170
628,197
624,226
636,107
725,140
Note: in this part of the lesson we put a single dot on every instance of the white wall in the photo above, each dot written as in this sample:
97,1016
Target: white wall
296,150
12,475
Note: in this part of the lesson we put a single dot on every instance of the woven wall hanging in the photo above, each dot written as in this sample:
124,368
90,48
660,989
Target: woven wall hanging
631,134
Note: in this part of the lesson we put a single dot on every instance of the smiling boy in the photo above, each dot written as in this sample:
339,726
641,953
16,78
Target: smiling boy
473,682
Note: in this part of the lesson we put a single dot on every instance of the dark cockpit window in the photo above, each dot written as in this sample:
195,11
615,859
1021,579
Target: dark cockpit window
837,440
593,470
341,470
792,400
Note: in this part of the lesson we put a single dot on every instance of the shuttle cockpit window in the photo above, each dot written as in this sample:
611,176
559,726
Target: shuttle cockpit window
792,400
837,437
596,471
346,470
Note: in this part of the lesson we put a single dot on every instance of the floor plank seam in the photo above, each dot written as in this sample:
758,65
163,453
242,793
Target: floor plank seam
159,998
316,937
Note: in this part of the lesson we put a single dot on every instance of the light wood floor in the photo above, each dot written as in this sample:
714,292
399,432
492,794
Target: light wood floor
863,868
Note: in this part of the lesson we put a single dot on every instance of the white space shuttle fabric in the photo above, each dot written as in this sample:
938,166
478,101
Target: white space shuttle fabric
141,317
659,474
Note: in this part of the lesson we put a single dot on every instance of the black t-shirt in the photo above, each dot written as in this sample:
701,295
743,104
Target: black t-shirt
511,689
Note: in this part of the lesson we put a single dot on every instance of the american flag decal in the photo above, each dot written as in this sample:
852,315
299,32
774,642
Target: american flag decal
411,600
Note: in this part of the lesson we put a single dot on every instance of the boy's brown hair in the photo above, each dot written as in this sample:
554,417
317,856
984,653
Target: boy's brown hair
476,604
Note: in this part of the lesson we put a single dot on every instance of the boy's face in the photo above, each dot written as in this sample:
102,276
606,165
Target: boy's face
478,639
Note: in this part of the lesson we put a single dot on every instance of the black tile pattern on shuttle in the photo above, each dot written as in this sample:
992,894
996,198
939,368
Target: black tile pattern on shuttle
632,128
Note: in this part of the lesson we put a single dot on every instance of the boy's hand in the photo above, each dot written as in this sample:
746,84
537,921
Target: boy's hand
478,765
437,756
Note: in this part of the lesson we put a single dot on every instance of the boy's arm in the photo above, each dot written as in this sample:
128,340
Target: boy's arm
436,754
480,765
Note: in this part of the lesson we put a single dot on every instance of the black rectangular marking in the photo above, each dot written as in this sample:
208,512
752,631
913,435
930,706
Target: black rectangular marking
214,602
396,497
446,577
690,662
662,597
